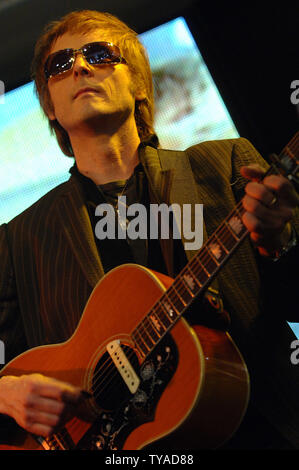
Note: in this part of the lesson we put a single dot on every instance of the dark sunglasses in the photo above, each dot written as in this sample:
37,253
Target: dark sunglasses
95,53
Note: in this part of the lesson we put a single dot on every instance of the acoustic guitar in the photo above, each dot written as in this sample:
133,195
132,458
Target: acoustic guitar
153,379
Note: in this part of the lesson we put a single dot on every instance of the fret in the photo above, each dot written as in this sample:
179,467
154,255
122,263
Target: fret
227,237
140,345
202,266
43,441
164,317
190,278
240,211
221,242
174,311
217,248
168,308
203,273
188,284
231,232
144,338
49,443
56,442
156,323
185,295
145,335
207,261
59,441
214,251
175,299
151,331
237,226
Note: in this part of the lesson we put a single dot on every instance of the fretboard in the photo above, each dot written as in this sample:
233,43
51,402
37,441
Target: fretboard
190,282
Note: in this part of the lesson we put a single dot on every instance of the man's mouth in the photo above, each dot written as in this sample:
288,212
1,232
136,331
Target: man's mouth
85,90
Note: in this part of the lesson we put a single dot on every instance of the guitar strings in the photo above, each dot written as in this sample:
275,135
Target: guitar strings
196,269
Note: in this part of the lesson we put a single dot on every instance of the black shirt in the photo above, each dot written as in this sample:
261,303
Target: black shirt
117,251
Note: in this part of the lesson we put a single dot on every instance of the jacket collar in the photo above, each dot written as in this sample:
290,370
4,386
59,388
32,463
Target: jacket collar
171,180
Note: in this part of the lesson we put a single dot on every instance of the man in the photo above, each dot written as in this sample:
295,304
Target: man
102,115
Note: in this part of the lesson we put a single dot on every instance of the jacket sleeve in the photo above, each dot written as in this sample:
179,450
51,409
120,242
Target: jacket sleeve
11,325
259,281
12,333
279,278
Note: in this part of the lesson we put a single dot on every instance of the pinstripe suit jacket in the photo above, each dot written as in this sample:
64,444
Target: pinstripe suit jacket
50,264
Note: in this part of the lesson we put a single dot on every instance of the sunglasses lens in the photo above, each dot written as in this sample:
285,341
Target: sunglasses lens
59,62
95,53
98,53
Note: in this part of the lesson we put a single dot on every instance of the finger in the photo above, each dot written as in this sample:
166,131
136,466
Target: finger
39,423
40,417
48,405
40,429
260,192
61,391
276,183
262,242
283,188
273,215
258,226
257,209
55,418
253,172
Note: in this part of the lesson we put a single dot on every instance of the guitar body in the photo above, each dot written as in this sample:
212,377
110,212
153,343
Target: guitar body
193,389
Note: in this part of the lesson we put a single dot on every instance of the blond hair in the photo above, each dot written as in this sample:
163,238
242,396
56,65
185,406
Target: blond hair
85,21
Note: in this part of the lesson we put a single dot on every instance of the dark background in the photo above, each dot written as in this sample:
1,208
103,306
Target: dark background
251,52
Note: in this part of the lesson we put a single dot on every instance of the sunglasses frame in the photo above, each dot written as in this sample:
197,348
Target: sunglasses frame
73,55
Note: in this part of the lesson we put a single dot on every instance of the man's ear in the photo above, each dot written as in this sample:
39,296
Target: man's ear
140,95
49,109
50,113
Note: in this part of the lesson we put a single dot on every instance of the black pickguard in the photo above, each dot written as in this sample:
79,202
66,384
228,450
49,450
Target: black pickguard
111,429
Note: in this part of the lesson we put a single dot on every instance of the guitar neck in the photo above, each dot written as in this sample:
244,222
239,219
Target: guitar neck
200,271
194,278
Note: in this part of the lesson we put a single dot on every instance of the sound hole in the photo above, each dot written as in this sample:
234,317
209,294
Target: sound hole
109,388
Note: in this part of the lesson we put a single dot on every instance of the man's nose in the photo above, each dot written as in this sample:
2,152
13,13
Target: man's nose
81,65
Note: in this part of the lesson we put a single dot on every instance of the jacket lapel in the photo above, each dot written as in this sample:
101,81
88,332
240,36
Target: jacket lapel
172,182
78,230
